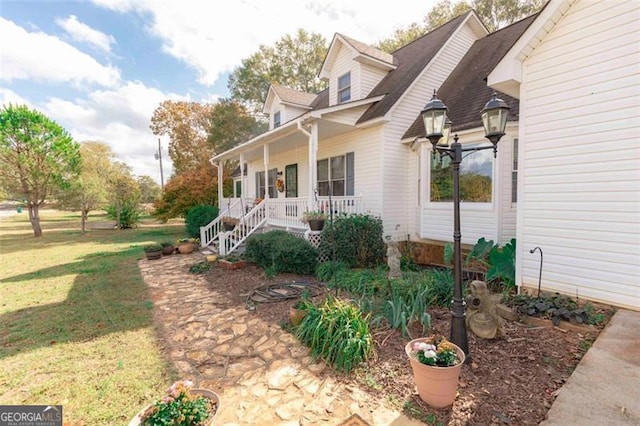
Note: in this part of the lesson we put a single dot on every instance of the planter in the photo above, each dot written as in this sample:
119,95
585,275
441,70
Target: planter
297,315
316,224
186,248
227,226
167,250
232,265
437,386
153,255
204,392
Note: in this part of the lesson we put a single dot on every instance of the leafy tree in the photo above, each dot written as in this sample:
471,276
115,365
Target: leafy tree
150,191
294,61
187,125
401,37
124,196
189,189
89,191
231,124
37,157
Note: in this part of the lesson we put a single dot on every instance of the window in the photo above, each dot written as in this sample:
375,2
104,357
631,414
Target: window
336,174
476,178
344,88
237,188
514,173
260,187
276,119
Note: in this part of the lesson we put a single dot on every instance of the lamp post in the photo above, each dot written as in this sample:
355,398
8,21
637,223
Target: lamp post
158,156
438,128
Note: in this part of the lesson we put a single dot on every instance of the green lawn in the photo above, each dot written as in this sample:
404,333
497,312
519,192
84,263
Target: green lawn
75,319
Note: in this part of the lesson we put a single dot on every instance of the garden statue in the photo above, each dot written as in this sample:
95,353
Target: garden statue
482,313
393,260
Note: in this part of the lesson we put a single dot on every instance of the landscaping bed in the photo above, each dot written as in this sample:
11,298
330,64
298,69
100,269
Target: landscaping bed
510,380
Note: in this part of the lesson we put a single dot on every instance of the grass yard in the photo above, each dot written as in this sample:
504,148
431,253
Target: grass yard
76,322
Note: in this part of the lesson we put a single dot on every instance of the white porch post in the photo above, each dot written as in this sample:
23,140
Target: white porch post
313,166
423,159
265,155
220,177
243,190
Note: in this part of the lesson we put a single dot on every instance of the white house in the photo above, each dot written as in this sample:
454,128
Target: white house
576,72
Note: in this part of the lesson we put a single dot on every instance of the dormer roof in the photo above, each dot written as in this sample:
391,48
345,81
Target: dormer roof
288,96
361,53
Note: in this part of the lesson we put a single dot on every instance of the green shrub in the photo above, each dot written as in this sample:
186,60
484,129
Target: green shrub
441,288
199,216
282,252
338,333
354,239
129,215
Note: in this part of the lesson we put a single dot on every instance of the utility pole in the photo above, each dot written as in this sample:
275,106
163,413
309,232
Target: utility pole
159,157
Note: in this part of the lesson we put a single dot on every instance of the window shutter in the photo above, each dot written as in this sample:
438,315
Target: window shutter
350,173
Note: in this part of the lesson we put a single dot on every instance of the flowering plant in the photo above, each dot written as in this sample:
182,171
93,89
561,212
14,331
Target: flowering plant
313,215
179,407
280,185
436,351
188,240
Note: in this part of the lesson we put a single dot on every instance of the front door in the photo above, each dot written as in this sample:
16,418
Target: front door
291,180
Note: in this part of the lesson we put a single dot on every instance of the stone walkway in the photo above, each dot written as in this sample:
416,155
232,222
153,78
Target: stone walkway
262,374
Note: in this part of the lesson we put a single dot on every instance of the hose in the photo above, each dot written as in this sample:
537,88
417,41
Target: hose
271,293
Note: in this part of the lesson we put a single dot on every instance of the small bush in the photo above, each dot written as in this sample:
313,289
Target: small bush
354,239
441,288
338,333
282,252
199,216
200,268
129,215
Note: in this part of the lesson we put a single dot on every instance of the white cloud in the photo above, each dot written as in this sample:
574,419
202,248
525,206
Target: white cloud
120,118
214,39
8,96
83,33
42,57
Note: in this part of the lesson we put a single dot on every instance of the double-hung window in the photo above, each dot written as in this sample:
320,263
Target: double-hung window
271,184
276,119
344,88
514,173
336,174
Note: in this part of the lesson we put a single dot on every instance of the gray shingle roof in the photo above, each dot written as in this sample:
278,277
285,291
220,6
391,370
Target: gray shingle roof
370,51
292,96
465,90
411,60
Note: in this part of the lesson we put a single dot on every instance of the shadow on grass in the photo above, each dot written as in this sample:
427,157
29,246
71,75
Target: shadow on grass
100,302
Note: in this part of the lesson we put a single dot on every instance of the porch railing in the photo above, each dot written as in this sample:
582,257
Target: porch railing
341,205
230,240
209,233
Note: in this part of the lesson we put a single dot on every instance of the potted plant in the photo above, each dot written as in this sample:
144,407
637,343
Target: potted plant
167,248
186,245
436,365
299,310
182,405
153,251
315,219
228,222
232,262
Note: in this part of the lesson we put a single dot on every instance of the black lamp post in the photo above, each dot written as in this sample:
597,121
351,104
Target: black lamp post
438,128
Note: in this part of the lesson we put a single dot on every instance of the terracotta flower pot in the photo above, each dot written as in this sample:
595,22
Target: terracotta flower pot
437,386
232,265
297,315
186,248
215,399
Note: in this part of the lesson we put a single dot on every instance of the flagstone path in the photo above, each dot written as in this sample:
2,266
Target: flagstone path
262,373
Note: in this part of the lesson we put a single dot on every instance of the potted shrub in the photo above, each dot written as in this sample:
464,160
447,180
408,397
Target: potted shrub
232,262
167,248
228,222
436,365
181,402
153,251
315,219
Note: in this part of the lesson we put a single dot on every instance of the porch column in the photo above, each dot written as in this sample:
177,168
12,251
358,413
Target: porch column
220,177
313,167
423,160
243,191
265,155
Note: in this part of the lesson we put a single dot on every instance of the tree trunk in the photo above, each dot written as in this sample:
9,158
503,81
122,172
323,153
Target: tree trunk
83,215
118,209
34,218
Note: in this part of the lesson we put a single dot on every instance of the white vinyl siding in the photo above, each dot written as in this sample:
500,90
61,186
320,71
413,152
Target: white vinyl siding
399,187
344,64
369,79
507,208
580,157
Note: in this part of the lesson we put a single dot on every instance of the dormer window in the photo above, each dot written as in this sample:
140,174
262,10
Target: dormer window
344,88
276,119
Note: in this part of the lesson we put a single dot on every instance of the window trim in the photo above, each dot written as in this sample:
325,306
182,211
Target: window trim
514,172
277,119
348,178
342,89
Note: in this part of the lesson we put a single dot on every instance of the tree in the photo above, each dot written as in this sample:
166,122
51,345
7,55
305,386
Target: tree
124,196
89,191
293,62
231,124
150,191
402,37
186,124
37,157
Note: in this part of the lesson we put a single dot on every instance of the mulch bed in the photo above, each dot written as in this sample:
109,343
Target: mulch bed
510,380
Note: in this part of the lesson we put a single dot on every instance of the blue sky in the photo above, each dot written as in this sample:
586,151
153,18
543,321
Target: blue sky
99,68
